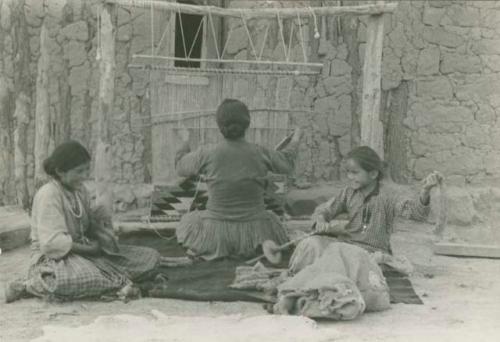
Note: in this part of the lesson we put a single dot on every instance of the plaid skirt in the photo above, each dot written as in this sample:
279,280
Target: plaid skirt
76,276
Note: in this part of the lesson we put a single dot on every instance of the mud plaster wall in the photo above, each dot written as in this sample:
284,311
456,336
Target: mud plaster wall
440,75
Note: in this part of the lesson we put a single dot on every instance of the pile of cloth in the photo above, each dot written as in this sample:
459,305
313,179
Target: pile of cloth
341,284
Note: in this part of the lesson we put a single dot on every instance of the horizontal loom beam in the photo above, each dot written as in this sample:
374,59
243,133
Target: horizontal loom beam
151,58
252,13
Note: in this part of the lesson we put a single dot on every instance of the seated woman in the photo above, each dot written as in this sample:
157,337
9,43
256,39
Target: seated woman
371,208
235,222
73,254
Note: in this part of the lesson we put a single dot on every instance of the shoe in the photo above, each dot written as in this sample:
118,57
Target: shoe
15,290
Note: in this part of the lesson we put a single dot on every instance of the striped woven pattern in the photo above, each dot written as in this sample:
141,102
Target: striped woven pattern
171,202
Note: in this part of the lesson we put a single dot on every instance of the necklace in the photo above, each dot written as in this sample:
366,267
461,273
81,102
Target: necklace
75,208
75,204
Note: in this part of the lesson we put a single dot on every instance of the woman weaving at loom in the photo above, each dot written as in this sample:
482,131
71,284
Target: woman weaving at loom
74,255
235,222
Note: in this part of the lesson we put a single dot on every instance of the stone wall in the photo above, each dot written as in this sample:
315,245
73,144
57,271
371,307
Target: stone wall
73,81
441,67
444,58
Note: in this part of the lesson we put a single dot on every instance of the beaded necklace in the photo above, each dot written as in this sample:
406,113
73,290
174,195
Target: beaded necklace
74,206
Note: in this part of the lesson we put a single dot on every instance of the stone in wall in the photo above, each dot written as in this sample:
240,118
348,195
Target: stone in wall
436,88
486,47
76,31
428,61
491,62
460,15
75,53
440,36
440,118
460,63
477,136
423,143
478,86
432,15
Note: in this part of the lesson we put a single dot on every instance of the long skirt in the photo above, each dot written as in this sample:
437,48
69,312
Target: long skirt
209,238
76,276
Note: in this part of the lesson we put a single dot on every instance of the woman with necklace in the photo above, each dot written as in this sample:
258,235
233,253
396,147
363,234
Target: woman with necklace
73,254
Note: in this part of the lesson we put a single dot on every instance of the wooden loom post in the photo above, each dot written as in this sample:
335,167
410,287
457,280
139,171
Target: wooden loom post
106,57
42,109
372,130
21,149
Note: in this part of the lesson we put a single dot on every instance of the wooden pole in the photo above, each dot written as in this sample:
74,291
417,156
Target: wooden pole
104,157
252,13
42,109
5,142
372,130
151,58
20,149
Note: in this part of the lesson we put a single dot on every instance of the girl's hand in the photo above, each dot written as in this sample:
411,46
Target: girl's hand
320,225
432,180
429,182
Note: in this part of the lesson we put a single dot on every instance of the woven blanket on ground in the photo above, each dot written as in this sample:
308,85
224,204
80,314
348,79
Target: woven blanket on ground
210,281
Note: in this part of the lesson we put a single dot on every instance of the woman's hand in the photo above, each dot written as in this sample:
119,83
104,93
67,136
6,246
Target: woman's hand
297,135
88,248
94,247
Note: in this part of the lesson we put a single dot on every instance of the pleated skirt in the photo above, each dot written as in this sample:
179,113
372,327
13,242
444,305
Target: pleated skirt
210,238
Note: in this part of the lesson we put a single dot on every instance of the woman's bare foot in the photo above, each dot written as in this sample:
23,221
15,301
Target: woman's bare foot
15,290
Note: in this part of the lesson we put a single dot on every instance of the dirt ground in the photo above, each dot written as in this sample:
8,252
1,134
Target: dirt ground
461,301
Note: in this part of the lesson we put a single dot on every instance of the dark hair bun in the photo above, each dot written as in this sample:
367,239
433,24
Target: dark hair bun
48,167
233,131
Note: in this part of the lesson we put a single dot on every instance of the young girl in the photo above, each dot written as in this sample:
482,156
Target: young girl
371,210
73,255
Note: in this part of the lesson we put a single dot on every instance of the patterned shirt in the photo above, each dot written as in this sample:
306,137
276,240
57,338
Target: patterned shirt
371,217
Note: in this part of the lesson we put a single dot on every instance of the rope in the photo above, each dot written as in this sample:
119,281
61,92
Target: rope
301,40
316,32
182,30
290,40
196,37
264,42
163,36
248,33
280,26
227,40
152,29
211,21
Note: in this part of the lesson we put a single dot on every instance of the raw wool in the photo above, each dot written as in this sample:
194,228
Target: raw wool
332,279
233,328
259,277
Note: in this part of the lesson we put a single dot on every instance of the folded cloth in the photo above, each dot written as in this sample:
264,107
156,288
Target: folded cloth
339,284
